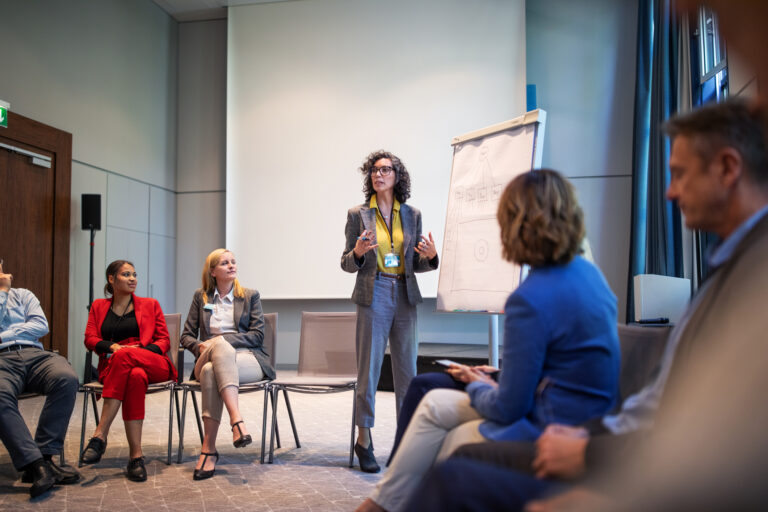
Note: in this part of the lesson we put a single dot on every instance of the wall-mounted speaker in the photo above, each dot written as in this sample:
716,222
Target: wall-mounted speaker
91,211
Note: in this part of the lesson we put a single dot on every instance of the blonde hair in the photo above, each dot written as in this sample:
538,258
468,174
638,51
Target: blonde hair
209,282
541,221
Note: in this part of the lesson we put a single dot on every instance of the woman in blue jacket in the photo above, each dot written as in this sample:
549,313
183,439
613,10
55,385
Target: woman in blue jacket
561,349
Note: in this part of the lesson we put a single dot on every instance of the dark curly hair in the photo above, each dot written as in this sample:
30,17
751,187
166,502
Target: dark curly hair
402,188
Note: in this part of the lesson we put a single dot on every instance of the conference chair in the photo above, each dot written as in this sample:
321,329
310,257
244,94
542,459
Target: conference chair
91,389
327,364
191,386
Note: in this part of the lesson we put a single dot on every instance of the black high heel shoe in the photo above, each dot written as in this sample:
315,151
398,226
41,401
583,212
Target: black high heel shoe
202,474
243,440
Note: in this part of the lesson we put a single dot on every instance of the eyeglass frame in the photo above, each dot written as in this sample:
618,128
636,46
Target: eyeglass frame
380,170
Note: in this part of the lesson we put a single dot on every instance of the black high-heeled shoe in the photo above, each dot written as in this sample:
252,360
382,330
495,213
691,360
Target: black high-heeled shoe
202,474
243,440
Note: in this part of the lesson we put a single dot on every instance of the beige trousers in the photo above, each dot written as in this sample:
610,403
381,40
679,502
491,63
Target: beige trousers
221,366
443,421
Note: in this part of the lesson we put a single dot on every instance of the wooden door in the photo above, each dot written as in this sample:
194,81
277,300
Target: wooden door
34,218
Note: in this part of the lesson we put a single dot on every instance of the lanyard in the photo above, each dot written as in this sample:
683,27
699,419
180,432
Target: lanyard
389,229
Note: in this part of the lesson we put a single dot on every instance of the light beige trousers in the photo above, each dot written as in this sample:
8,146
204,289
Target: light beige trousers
221,366
443,421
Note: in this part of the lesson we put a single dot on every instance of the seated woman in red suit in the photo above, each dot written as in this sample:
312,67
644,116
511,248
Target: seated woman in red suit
131,338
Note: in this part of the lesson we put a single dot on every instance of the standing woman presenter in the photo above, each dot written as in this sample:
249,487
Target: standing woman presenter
130,336
384,245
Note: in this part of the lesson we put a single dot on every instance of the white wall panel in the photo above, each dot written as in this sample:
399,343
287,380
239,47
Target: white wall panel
313,87
162,271
124,244
104,71
200,230
127,204
201,144
605,202
162,212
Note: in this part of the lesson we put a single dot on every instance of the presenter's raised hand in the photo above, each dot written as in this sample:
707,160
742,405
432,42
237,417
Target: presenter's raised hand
364,243
426,247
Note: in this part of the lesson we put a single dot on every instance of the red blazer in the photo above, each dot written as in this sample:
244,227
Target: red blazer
149,316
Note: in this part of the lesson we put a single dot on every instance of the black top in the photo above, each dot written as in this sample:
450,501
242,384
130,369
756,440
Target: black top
115,329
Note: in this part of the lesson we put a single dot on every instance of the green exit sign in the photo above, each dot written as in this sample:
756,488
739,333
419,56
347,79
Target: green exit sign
4,114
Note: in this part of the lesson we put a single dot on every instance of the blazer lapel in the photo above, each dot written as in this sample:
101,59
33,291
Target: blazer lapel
239,306
137,313
406,221
369,221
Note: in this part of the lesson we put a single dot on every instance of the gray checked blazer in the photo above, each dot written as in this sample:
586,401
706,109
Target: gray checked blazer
249,320
361,218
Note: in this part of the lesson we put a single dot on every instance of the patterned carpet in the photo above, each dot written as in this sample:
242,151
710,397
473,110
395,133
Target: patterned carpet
315,477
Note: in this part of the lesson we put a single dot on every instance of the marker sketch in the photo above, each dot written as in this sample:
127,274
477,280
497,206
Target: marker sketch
473,274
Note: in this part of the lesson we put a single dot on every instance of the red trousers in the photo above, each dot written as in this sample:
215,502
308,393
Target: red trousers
128,373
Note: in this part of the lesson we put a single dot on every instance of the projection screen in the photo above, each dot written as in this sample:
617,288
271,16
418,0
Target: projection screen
313,86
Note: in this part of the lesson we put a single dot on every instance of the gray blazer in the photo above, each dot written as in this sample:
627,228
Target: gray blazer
361,218
249,320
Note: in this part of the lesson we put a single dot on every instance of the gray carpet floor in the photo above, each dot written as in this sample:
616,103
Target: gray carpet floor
315,477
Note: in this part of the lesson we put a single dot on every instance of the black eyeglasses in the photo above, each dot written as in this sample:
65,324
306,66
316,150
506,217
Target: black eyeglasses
384,170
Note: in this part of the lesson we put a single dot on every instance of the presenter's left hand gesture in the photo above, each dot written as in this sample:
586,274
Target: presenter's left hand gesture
426,247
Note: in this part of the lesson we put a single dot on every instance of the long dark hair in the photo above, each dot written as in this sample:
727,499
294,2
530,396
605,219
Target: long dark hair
112,270
402,188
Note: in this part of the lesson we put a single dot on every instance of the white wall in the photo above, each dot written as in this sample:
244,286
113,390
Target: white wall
104,71
581,57
315,86
200,173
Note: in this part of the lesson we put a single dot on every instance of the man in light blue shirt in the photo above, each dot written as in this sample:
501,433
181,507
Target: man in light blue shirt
25,367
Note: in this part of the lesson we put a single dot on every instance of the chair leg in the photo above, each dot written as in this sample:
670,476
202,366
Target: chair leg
178,413
197,416
290,415
352,437
82,428
264,424
170,426
277,428
275,394
181,428
95,409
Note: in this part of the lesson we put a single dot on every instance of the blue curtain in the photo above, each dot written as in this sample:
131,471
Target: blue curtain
656,233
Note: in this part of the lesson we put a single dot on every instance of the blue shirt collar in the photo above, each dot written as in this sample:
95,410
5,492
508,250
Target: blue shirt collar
724,250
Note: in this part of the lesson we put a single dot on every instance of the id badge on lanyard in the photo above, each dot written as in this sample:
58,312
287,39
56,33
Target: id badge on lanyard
391,259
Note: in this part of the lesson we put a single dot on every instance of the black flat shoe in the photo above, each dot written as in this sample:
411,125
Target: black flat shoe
367,460
136,470
64,475
93,452
202,474
243,440
42,478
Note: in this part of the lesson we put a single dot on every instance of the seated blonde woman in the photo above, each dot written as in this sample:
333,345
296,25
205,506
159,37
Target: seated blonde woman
561,348
225,331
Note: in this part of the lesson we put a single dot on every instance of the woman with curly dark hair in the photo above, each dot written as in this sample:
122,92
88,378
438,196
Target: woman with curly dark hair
385,247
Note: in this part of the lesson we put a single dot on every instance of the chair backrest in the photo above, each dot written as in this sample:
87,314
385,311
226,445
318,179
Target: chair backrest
173,322
327,344
270,336
641,351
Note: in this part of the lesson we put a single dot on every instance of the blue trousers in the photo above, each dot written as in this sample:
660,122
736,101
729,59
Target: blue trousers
34,370
389,317
462,485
